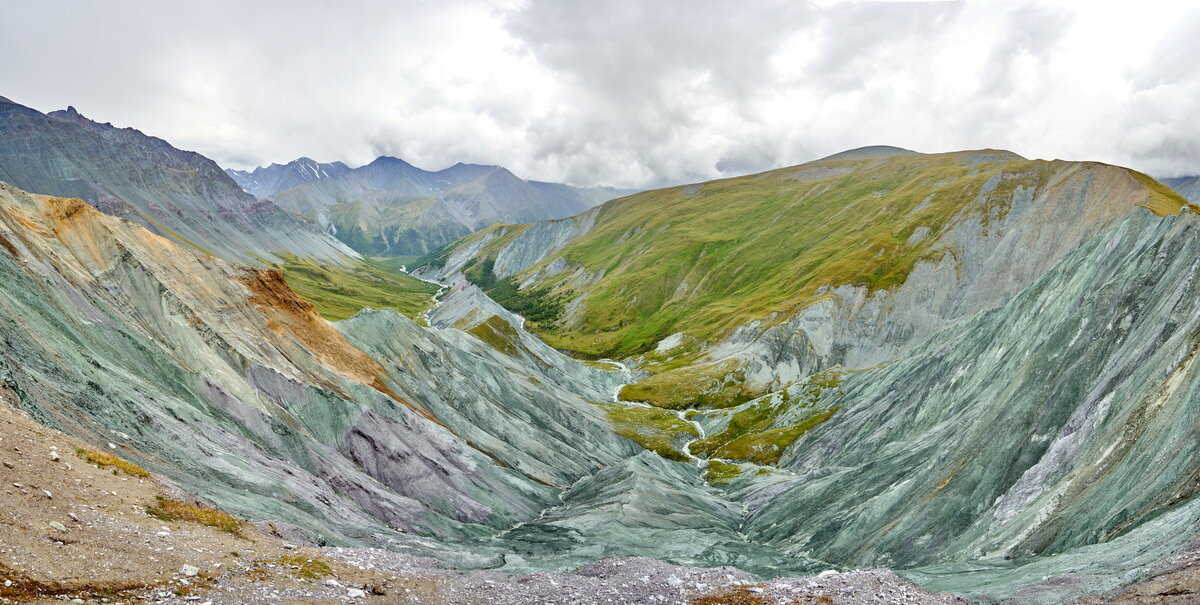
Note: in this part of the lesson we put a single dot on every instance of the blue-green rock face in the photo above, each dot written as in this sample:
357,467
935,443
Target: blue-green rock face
195,368
999,451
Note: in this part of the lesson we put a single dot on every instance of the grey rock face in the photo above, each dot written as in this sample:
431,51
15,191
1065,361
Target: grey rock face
174,193
526,406
645,506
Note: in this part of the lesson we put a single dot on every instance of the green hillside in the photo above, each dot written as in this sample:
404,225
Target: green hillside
704,259
340,292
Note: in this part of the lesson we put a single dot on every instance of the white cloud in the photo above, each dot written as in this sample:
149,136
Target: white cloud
627,93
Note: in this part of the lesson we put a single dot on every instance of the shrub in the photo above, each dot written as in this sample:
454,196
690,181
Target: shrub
174,510
104,460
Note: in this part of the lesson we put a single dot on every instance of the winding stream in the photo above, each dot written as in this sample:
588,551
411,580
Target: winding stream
682,414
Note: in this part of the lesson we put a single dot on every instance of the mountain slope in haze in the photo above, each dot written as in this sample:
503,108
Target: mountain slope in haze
1187,186
266,181
392,208
723,289
175,193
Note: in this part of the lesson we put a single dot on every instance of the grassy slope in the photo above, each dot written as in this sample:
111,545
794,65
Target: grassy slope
752,433
657,430
339,293
706,259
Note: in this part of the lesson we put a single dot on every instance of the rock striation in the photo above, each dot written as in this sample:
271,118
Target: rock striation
221,378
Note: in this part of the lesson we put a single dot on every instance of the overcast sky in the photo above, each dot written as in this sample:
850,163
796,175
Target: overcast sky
620,92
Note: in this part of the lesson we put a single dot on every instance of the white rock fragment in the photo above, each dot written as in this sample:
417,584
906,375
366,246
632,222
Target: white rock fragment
189,570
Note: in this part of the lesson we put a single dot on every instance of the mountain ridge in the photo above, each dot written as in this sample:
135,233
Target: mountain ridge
971,367
267,181
978,184
390,207
176,193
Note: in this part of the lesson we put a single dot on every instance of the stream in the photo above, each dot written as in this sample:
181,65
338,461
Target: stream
682,414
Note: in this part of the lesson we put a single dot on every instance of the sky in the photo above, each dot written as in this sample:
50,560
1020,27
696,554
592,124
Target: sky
620,92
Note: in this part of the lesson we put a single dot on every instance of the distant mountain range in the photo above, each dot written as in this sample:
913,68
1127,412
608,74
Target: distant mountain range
392,208
266,181
175,193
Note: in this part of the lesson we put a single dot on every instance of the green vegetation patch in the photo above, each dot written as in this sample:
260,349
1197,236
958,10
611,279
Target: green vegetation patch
1162,199
720,385
538,305
720,473
105,460
751,434
306,568
768,446
659,431
499,335
340,292
599,364
174,510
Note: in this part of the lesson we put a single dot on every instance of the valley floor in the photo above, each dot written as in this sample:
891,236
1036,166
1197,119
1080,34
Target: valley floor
79,525
74,531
